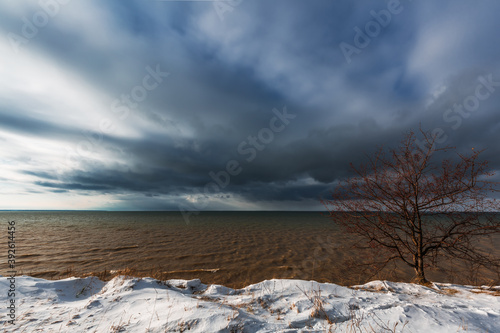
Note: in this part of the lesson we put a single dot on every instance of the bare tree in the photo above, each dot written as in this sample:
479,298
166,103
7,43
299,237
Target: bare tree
416,208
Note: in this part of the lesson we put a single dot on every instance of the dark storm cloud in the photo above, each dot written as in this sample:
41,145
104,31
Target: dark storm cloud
13,120
227,76
73,186
43,175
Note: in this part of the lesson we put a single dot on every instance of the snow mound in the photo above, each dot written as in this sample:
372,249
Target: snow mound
127,304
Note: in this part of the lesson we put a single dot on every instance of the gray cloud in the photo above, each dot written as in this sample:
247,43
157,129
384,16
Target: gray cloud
225,79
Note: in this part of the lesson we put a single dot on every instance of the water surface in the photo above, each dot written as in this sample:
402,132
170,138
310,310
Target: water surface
231,248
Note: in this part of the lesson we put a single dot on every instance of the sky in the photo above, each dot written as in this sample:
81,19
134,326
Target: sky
231,105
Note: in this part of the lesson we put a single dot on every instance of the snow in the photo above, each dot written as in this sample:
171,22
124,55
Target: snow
127,304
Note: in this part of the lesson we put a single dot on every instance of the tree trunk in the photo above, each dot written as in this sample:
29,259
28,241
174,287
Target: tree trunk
419,271
418,259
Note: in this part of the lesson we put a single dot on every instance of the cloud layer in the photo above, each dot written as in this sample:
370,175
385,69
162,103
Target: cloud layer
164,105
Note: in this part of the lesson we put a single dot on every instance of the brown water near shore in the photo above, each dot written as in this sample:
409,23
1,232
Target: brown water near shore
230,248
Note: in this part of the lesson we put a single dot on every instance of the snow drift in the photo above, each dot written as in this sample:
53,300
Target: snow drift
127,304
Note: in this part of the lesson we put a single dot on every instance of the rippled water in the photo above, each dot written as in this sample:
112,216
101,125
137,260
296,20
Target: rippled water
231,248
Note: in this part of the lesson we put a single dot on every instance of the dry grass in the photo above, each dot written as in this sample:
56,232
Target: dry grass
375,289
449,291
318,302
493,291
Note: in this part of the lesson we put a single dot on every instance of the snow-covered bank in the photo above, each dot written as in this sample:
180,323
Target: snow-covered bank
147,305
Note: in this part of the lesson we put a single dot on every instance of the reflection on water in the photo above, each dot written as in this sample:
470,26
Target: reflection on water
231,248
